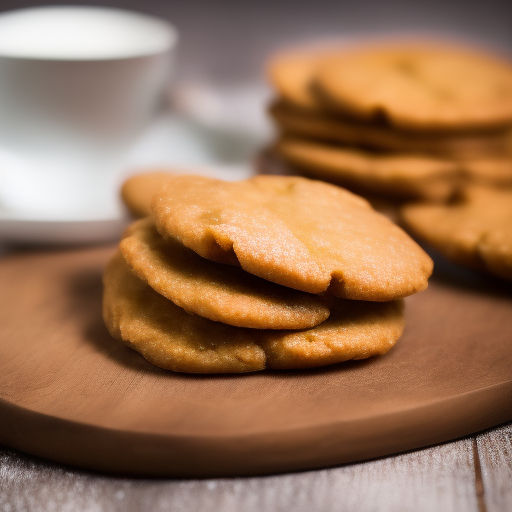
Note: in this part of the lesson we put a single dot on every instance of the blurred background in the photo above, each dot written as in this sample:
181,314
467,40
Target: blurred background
228,40
217,122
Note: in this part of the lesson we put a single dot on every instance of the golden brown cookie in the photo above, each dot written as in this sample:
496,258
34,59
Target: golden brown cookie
291,73
324,127
170,338
495,249
304,234
138,191
395,176
219,292
474,231
494,172
354,330
418,86
166,335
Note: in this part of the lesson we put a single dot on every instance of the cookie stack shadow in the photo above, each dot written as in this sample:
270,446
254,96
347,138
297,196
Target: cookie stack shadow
405,122
271,272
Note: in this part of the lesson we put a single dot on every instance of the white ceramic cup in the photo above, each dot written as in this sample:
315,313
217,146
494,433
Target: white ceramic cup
77,84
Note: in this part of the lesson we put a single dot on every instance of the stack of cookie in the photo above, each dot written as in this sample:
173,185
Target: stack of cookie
270,272
409,121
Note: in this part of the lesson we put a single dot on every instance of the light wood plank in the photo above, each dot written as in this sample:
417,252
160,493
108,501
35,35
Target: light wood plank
438,479
495,452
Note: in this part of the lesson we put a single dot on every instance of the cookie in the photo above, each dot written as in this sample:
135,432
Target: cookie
270,163
219,292
395,176
494,172
170,338
323,127
354,330
495,249
418,86
138,191
291,74
166,335
474,231
304,234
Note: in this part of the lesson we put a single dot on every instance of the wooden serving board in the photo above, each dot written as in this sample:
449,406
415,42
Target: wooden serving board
70,393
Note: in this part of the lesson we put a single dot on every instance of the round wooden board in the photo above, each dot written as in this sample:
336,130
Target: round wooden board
71,393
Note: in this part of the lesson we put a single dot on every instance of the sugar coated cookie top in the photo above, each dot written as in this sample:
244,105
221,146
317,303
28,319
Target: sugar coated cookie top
297,232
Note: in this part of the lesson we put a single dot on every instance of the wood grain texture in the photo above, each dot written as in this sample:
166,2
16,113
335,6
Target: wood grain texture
69,392
438,479
495,452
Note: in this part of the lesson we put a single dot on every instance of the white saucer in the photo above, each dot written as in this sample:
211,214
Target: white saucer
60,232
